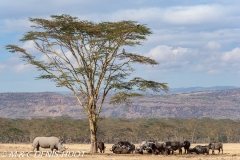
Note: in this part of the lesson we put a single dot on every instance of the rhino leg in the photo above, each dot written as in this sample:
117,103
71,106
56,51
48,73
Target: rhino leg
35,146
38,148
53,147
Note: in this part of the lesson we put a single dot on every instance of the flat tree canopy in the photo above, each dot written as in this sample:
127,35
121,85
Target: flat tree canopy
89,59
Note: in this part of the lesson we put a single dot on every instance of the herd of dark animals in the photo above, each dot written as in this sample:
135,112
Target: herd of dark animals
152,147
125,147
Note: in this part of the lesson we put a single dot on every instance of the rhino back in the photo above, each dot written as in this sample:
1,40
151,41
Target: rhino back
46,142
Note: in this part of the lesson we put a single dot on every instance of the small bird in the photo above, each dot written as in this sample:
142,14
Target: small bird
123,51
138,24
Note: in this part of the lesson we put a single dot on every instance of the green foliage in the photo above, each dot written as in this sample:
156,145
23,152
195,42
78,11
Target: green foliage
112,129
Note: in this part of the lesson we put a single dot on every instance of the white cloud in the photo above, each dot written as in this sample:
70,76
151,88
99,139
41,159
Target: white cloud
29,46
44,58
14,59
15,64
172,58
190,60
232,56
199,68
193,14
14,25
210,40
214,72
166,53
2,67
68,54
177,15
144,14
212,45
20,68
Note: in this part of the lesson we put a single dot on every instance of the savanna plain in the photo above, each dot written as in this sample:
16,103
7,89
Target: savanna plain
231,151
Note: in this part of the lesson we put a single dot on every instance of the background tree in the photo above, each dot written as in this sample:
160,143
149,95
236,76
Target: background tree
192,124
14,134
110,129
84,57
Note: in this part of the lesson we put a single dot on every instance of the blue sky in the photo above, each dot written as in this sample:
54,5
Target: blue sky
197,43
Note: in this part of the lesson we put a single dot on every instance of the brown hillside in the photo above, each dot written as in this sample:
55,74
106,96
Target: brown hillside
213,104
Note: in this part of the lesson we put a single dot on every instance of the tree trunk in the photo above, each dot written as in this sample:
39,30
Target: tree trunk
193,133
93,133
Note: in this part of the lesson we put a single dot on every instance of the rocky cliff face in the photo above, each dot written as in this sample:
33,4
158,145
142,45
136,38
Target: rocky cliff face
213,104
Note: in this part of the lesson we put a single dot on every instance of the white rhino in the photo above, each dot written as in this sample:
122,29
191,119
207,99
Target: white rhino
48,142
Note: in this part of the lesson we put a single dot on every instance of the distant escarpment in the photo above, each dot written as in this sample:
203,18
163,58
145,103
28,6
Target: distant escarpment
218,104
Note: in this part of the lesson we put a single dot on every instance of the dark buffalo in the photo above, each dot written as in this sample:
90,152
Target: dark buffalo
121,150
216,146
114,147
123,147
186,145
147,146
132,148
152,147
138,150
101,147
173,146
199,150
128,145
159,147
124,143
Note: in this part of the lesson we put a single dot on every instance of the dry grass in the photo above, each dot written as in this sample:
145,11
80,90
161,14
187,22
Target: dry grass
231,152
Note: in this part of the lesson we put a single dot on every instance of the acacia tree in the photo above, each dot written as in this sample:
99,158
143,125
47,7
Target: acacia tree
89,59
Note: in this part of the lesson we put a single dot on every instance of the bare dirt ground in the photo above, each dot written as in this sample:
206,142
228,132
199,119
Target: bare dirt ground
231,151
